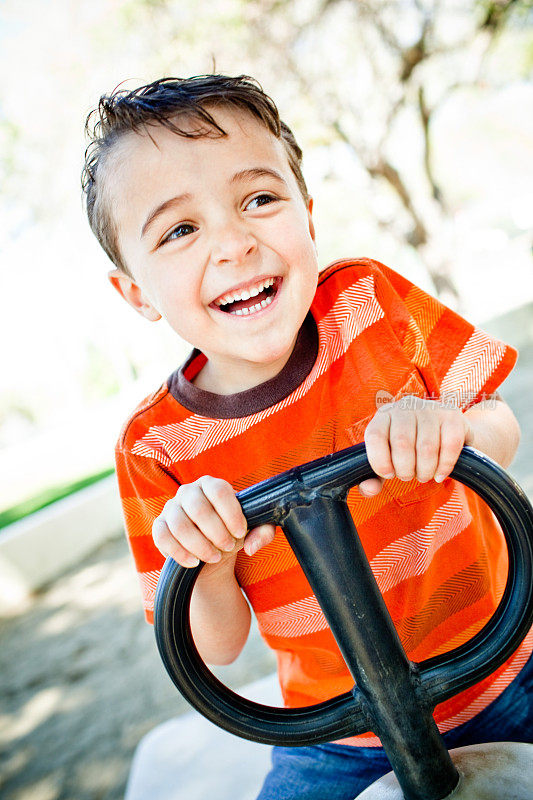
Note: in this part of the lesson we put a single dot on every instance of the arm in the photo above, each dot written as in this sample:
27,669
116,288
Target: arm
423,438
220,615
494,430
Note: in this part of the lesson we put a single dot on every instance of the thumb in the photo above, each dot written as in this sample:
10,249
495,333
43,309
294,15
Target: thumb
258,537
371,487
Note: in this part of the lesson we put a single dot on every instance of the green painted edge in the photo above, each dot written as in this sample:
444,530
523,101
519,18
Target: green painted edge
49,496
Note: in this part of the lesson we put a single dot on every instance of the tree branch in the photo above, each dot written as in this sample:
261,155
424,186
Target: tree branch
382,168
425,117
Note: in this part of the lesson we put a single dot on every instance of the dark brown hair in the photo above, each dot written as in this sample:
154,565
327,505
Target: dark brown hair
163,102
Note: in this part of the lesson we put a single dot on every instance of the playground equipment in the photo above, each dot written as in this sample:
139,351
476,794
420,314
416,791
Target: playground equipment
392,696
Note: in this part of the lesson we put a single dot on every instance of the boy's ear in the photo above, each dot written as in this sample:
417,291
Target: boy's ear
310,215
132,294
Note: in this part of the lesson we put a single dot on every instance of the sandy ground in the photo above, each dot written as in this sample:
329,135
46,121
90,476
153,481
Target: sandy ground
80,678
81,683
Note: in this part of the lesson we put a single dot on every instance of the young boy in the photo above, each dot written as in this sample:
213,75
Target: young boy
194,189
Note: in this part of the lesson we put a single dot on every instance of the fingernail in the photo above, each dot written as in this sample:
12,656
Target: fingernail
389,476
192,562
215,559
229,547
439,478
253,548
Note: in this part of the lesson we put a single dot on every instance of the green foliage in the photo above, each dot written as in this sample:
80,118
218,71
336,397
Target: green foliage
494,14
10,135
17,418
100,378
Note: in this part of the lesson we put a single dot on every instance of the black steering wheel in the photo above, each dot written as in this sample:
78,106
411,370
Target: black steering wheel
309,504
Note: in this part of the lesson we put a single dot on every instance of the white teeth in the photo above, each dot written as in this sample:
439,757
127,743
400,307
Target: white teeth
241,312
244,294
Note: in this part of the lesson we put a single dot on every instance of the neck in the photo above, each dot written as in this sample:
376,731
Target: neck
226,379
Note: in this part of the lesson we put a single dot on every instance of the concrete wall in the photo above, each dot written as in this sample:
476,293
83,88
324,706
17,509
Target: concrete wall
515,327
37,549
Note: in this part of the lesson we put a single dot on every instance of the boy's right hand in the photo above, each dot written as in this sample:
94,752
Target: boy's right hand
204,522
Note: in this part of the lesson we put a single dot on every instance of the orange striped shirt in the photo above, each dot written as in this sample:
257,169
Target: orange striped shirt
436,550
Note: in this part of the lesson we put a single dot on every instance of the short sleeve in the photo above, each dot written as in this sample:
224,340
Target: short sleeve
144,486
459,363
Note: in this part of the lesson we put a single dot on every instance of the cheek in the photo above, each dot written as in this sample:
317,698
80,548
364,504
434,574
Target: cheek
178,288
297,243
305,256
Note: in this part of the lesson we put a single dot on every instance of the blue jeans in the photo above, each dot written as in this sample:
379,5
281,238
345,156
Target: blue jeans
341,772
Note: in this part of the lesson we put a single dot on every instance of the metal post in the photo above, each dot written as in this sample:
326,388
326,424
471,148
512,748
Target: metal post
340,576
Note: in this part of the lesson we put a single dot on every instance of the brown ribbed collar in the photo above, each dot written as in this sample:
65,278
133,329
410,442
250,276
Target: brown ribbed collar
242,404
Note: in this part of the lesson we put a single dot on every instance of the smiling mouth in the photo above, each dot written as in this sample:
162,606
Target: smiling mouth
250,300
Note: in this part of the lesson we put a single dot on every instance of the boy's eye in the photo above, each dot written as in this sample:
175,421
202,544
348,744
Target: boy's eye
261,200
184,229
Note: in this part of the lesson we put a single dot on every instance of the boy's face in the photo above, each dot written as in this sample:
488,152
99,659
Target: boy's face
203,222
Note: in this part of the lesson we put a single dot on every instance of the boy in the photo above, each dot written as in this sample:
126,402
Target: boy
195,191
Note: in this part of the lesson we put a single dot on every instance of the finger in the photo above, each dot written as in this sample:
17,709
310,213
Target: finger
452,438
169,546
221,495
377,444
370,487
403,443
427,444
206,519
191,537
258,537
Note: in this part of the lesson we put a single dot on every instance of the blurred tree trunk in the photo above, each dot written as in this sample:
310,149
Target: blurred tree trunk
410,56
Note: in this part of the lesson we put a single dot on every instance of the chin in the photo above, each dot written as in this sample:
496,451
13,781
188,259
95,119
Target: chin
273,355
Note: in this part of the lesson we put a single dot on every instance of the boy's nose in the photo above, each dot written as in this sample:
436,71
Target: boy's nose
232,243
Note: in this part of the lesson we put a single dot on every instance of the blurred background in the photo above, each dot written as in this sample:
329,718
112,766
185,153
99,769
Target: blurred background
416,122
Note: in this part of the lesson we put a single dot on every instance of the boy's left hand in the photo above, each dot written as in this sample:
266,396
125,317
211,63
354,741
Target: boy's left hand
414,438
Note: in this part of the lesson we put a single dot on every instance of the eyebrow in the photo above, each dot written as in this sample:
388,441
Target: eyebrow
257,172
162,207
